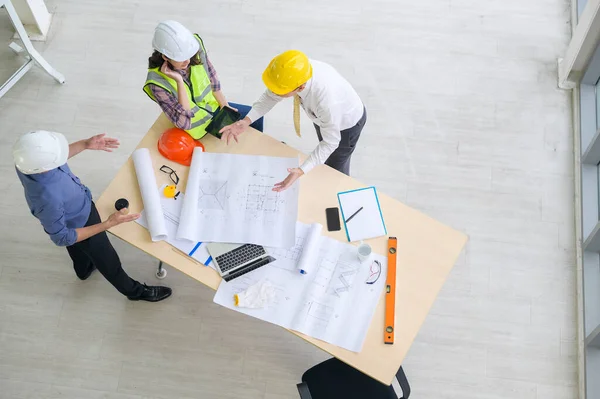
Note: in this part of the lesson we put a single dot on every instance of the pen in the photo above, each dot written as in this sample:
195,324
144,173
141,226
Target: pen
354,214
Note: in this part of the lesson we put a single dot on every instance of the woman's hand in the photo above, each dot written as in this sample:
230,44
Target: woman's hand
99,142
166,69
294,174
182,97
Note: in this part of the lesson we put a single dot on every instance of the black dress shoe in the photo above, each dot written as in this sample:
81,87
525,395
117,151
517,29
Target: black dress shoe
153,294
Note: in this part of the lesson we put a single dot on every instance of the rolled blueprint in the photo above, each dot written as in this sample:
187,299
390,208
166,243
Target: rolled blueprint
188,221
310,252
147,182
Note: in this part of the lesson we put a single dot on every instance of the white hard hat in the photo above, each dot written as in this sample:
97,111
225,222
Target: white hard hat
174,41
40,151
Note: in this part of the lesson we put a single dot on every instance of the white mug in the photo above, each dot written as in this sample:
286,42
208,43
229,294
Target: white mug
364,252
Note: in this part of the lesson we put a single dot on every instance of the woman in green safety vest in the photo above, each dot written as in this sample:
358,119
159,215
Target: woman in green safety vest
183,82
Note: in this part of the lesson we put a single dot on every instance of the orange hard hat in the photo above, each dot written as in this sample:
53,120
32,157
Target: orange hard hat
178,146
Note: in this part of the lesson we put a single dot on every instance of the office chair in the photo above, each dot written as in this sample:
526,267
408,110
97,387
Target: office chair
334,379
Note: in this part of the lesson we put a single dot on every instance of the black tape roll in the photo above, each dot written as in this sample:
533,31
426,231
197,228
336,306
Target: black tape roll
121,203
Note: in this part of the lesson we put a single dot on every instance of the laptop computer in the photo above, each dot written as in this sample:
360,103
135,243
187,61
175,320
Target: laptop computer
235,260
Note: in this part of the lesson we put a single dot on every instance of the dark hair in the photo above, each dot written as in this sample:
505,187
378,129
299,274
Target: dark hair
156,60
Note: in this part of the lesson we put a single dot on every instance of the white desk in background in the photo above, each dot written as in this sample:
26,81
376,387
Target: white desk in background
32,54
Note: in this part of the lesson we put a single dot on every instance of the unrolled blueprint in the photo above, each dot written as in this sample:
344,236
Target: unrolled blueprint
230,198
335,303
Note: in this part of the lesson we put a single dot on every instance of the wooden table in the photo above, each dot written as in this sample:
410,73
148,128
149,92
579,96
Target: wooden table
427,249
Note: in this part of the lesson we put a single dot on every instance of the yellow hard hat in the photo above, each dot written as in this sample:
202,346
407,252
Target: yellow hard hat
287,71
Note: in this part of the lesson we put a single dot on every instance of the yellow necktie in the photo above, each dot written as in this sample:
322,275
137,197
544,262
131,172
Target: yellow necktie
297,114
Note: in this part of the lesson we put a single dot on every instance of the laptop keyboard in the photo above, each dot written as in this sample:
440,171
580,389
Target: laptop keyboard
239,256
248,269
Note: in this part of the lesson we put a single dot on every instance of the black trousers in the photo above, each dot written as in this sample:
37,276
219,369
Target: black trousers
340,158
97,251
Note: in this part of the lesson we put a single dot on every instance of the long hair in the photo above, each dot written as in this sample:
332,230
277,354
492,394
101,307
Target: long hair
156,60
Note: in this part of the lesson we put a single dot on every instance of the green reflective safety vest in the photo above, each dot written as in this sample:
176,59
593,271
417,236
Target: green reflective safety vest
199,93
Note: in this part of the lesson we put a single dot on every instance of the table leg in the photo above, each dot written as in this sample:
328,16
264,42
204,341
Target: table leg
161,272
33,54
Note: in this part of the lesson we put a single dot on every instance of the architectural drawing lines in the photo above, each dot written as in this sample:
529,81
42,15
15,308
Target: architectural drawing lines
225,202
320,311
213,194
343,277
262,198
291,254
345,282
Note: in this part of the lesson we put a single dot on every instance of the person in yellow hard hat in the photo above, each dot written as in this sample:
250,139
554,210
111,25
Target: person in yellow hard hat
334,107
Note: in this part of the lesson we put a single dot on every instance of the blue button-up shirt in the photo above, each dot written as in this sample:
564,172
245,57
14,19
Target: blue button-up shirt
60,201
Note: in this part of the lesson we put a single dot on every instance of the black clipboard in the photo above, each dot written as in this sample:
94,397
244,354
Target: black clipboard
223,117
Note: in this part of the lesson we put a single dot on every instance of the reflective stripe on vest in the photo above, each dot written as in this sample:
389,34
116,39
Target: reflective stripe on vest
202,54
199,92
199,98
156,78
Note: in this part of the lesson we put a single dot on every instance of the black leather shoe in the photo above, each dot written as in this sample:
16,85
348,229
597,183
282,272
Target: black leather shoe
153,294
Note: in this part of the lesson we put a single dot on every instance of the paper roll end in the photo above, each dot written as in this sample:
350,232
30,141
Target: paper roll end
160,237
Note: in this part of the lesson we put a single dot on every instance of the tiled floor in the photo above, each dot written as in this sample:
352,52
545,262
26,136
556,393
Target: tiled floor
465,124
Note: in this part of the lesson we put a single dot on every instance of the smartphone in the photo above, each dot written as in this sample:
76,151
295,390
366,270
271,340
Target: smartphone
333,219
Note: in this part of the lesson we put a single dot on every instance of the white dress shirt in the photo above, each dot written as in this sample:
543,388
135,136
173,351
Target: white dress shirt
329,101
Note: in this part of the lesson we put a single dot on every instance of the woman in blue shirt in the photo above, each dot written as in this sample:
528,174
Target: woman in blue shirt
64,207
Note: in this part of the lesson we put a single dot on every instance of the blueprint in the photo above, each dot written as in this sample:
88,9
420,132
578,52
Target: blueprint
150,197
230,198
334,303
171,210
